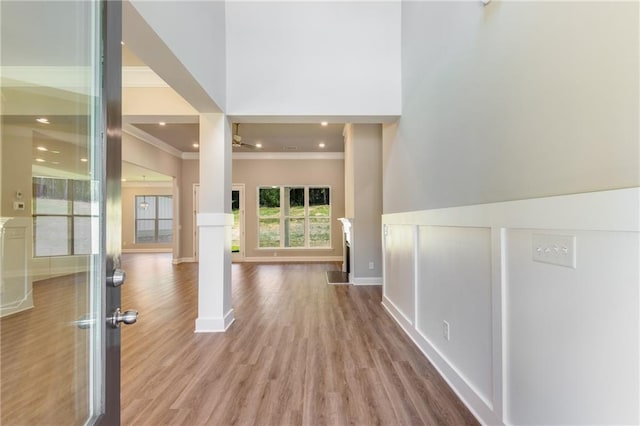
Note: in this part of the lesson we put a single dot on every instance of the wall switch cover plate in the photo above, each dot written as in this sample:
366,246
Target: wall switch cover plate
555,249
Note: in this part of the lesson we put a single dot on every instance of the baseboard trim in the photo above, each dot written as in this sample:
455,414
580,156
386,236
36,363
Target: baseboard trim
366,280
471,399
23,305
147,250
183,260
280,259
214,325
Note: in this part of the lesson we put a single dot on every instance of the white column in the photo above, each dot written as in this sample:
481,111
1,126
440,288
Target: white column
214,222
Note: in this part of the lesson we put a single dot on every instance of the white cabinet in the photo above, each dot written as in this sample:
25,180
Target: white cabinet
15,284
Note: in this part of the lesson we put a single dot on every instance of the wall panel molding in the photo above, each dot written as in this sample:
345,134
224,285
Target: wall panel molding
473,266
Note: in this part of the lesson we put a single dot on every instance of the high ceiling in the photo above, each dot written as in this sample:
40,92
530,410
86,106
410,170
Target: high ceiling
280,137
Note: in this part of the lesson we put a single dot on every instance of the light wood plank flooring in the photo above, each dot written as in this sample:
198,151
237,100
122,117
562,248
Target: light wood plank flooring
301,352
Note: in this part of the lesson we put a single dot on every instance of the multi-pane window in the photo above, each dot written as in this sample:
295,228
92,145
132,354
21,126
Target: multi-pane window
154,219
63,216
304,221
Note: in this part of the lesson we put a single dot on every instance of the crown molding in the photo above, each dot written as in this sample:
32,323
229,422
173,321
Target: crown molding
190,156
151,140
147,184
288,156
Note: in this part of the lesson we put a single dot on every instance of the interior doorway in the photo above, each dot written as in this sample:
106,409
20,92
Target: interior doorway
237,231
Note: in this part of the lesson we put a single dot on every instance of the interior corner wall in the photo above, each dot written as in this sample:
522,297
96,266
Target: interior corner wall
514,100
313,58
190,176
366,147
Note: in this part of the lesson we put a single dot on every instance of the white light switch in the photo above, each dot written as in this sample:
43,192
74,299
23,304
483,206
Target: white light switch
555,249
18,205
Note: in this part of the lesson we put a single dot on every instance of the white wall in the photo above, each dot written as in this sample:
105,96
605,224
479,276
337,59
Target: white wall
184,43
530,342
513,100
313,58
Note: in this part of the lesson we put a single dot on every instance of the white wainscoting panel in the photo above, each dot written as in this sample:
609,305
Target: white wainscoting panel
399,265
454,285
530,342
572,336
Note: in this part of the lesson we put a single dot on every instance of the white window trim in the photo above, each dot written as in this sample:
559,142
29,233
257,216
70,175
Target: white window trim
306,217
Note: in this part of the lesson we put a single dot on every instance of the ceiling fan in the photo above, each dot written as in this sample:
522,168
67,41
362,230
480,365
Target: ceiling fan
237,139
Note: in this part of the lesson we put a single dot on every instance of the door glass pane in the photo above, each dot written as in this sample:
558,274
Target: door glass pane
235,230
51,272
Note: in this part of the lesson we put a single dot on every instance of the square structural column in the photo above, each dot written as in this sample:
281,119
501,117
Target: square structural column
214,224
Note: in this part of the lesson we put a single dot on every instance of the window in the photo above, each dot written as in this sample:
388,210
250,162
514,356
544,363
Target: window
304,221
63,216
154,219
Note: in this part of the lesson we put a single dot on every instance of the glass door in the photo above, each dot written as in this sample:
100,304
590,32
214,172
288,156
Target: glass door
237,231
60,212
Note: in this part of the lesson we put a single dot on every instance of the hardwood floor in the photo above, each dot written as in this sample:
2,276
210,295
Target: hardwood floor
44,367
301,352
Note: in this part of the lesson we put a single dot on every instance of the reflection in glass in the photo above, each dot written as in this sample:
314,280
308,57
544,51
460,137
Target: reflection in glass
51,154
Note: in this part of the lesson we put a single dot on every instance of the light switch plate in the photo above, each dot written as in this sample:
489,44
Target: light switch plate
555,249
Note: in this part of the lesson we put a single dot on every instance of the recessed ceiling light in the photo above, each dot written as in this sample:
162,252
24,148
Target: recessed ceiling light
84,160
123,179
122,42
55,152
321,145
39,160
42,120
196,145
324,123
55,162
42,148
162,123
258,145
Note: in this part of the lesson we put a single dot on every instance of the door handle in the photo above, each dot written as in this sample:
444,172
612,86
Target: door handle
117,278
85,322
128,317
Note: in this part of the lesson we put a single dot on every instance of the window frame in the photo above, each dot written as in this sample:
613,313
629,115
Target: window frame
282,217
156,219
